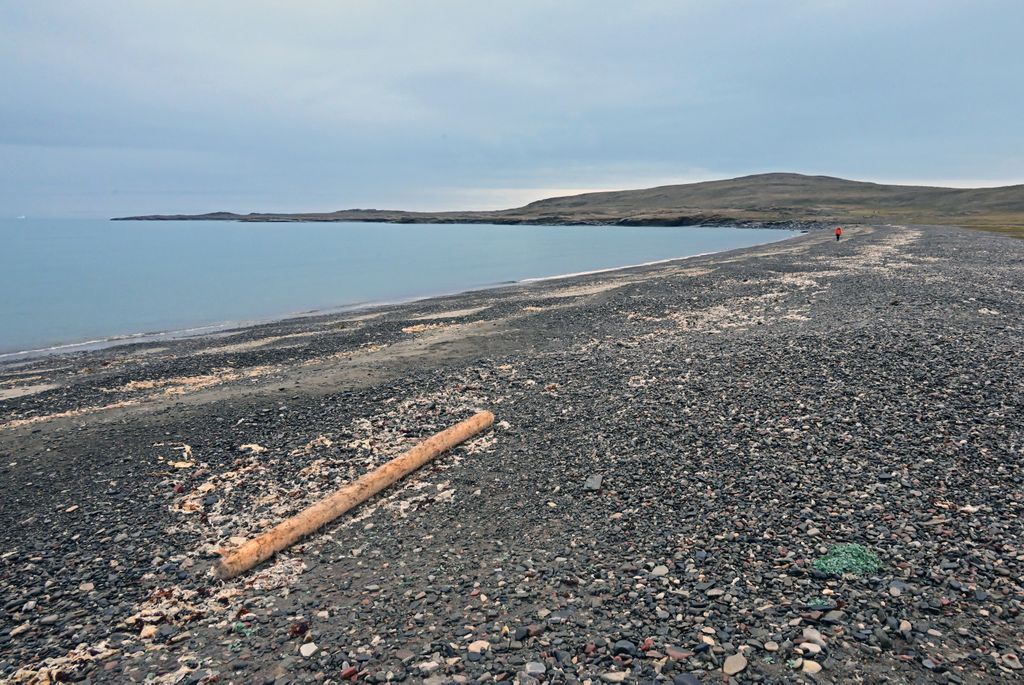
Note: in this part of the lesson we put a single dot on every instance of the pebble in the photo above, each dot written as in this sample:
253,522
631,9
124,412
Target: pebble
428,667
479,646
624,647
811,667
734,664
535,668
1010,660
308,649
812,635
677,653
685,679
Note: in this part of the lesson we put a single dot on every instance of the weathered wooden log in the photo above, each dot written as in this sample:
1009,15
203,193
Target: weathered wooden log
288,532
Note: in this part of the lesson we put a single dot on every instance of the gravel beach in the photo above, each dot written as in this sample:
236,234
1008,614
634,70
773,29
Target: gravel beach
675,446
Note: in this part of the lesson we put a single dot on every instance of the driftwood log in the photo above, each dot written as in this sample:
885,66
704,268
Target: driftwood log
287,532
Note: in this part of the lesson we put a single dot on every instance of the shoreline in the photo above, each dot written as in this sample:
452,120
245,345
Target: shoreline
675,447
238,325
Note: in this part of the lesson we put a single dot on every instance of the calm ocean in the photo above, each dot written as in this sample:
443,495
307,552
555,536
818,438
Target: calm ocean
69,280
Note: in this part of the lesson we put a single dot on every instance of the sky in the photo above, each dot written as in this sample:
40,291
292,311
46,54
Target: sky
110,107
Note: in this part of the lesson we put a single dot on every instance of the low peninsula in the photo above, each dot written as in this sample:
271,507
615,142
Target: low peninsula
775,199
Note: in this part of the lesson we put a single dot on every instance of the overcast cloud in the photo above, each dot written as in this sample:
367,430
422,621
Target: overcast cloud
111,107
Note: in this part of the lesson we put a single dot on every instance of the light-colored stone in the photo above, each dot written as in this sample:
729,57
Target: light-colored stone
308,649
810,648
428,667
479,646
659,571
734,664
535,668
812,635
811,667
148,631
614,677
771,646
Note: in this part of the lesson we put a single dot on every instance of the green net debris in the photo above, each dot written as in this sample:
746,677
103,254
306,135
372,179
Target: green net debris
855,559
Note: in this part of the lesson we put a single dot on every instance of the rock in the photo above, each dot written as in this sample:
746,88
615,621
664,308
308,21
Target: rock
659,571
479,646
771,646
811,667
685,679
593,482
148,631
624,647
308,649
49,620
86,587
810,648
428,667
678,654
734,664
535,668
1011,661
812,635
614,677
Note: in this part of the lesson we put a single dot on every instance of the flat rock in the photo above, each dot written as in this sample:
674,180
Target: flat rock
734,664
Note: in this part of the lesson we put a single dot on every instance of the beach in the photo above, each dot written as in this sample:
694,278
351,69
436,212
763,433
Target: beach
675,446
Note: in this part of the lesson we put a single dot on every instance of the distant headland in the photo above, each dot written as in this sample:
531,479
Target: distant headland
775,199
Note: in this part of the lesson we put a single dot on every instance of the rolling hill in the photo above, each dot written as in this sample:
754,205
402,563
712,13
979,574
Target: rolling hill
781,198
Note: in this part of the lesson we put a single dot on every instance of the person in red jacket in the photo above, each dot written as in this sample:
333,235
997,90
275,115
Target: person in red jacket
839,233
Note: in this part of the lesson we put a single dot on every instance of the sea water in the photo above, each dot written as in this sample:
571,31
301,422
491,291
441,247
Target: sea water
68,281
